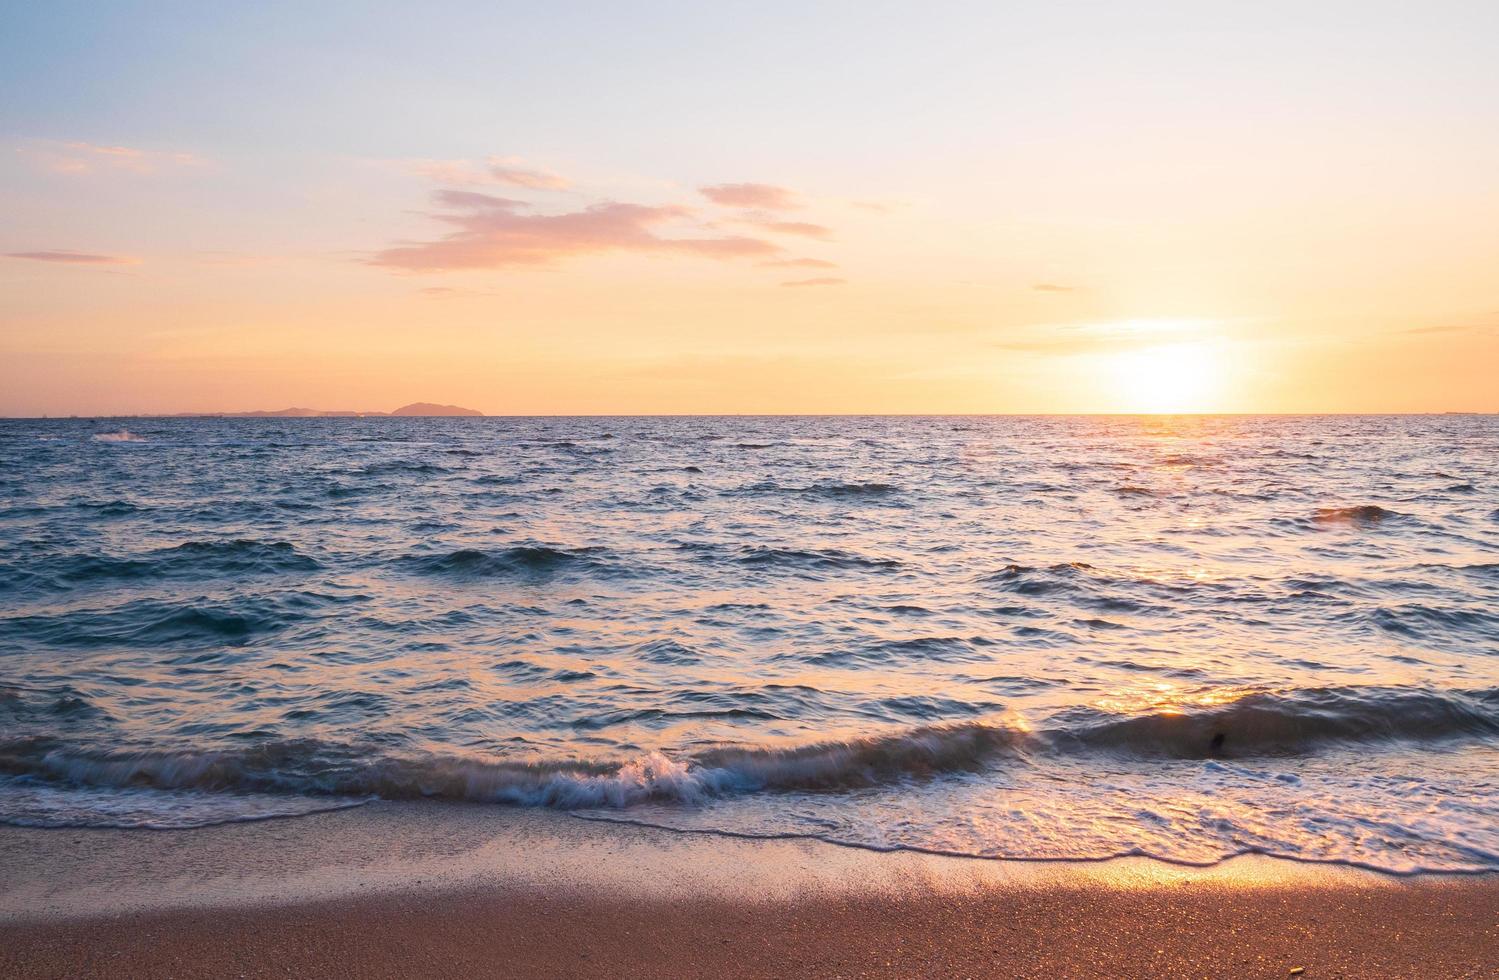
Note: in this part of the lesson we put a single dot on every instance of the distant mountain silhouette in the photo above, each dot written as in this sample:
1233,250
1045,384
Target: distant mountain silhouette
419,409
427,408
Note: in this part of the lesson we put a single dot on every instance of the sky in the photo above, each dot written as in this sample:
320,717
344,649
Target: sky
642,208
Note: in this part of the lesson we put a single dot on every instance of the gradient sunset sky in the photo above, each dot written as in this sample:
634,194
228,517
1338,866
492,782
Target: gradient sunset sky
733,207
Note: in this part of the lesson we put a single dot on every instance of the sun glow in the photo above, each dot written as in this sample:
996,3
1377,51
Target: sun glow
1171,378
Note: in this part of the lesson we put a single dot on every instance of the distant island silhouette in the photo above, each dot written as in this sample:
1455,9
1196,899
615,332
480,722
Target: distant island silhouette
415,409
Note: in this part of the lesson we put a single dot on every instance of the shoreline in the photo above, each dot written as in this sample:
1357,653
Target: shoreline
459,890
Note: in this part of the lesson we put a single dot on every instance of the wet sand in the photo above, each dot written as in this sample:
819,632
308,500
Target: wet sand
452,891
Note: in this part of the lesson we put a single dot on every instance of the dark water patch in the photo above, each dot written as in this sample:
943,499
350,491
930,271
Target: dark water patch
826,559
842,491
1014,684
666,651
401,468
146,623
895,653
348,491
660,717
1283,723
1032,581
110,508
520,561
239,556
1417,622
31,705
931,709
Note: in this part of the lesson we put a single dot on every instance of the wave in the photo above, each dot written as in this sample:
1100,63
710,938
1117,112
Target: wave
944,649
398,467
124,435
307,766
1284,723
520,561
842,490
761,556
109,508
1257,724
1037,581
241,556
1362,514
825,491
24,704
149,623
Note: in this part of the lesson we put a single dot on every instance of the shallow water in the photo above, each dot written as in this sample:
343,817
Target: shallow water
1037,638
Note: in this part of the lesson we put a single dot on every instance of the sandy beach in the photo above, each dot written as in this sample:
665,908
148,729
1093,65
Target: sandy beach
452,891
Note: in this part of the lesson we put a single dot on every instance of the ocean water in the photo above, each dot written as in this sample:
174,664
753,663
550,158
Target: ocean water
1037,638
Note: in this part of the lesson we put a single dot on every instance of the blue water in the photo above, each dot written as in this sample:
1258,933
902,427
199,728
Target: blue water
1031,638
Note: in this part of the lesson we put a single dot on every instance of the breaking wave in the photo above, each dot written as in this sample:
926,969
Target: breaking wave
124,435
1258,724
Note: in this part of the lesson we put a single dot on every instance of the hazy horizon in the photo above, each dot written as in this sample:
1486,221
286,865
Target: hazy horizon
253,414
1132,208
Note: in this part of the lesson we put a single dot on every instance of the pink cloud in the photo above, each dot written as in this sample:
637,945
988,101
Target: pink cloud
74,258
495,232
766,196
804,228
505,172
819,281
78,157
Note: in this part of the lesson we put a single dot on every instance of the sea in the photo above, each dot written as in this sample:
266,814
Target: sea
1049,638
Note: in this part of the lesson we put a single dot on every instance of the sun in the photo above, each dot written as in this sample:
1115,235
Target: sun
1168,379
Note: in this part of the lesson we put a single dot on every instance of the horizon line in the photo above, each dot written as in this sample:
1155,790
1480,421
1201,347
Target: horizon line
238,417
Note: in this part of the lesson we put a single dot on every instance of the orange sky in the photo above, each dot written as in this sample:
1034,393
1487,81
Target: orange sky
1183,210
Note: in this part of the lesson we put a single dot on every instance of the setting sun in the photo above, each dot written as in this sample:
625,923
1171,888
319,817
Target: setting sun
1169,379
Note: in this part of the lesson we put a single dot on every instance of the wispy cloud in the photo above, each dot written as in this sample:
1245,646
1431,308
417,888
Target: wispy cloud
1051,287
511,171
74,258
766,196
800,264
496,232
508,171
76,157
806,229
819,281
